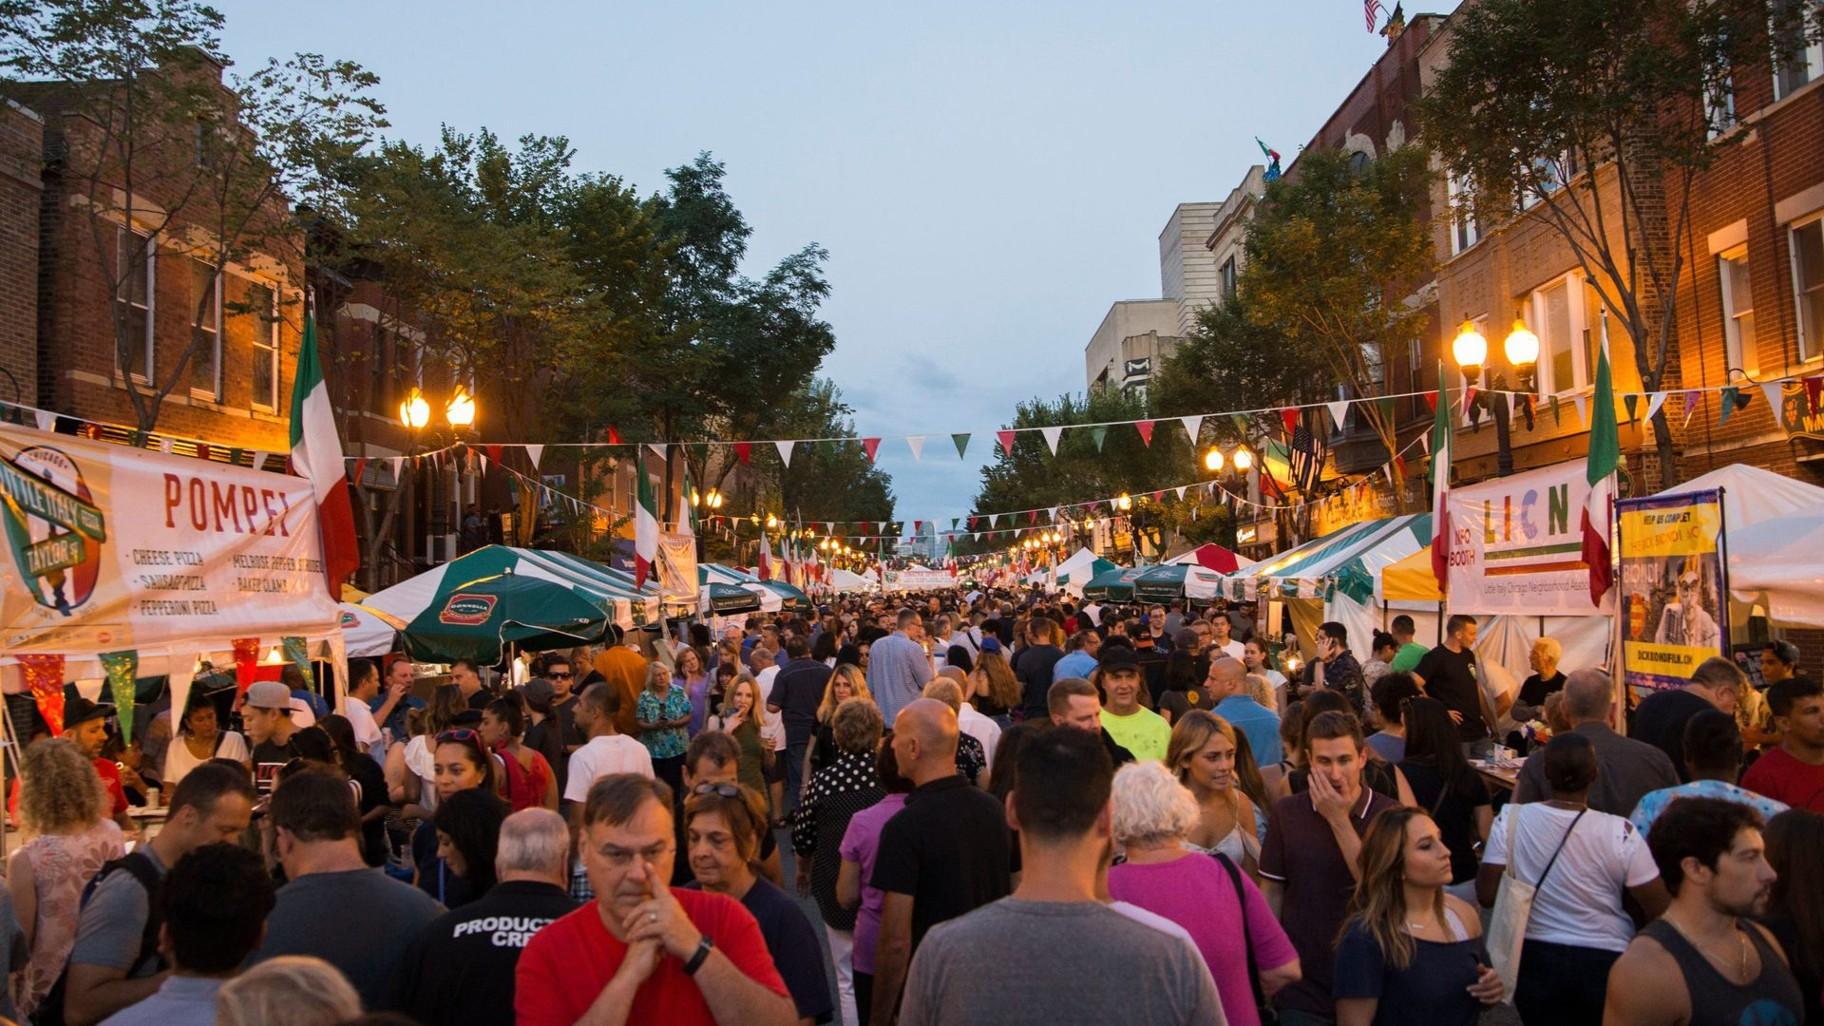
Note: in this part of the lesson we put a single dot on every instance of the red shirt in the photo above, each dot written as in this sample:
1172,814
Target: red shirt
110,776
1783,778
565,966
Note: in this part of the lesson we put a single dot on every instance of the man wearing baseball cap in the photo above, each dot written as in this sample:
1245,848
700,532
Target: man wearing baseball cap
85,724
266,712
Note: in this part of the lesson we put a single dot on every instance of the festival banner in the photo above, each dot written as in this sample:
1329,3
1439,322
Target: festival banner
677,568
1517,545
110,548
1674,576
916,580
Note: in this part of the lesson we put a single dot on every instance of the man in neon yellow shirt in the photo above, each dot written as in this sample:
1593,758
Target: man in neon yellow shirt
1135,728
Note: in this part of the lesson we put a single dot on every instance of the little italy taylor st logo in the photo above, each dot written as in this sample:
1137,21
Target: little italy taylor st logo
53,529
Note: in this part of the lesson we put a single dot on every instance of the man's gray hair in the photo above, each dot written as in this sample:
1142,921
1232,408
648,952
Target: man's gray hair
533,840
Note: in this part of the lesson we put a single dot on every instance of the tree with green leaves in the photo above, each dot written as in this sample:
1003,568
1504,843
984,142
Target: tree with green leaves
1334,248
163,154
1597,115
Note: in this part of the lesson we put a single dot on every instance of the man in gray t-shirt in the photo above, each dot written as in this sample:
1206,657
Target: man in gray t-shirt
1080,960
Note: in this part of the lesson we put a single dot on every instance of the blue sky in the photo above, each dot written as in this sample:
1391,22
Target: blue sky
987,177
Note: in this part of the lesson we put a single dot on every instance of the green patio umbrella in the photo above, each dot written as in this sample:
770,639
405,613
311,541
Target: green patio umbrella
792,597
1160,583
1115,585
478,619
728,599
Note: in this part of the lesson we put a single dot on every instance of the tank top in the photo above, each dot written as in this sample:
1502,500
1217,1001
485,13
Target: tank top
1772,997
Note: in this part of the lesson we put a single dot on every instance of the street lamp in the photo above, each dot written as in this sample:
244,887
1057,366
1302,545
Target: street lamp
1212,460
1243,459
1522,350
1124,502
414,412
460,410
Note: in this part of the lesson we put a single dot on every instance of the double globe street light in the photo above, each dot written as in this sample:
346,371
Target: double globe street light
1522,349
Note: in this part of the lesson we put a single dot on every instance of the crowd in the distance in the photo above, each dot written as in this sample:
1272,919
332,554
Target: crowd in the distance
1002,809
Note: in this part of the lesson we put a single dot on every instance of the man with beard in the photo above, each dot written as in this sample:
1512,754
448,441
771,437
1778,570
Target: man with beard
1705,961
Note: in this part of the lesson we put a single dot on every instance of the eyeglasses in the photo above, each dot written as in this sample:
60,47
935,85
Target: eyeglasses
461,736
722,789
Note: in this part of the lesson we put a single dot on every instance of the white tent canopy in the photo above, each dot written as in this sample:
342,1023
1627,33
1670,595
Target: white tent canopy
365,633
845,581
1774,527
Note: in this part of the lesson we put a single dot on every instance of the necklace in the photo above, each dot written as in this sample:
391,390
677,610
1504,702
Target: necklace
1741,938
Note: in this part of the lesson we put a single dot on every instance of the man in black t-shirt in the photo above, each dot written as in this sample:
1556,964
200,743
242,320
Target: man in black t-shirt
945,854
1546,679
267,715
1448,674
796,693
1660,720
459,971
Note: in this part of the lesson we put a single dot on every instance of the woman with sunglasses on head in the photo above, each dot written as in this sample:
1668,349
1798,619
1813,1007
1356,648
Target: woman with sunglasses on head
722,824
461,763
1410,952
410,766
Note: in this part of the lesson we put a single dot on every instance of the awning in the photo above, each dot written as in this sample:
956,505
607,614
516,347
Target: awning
1411,580
611,590
1350,559
1214,557
1115,585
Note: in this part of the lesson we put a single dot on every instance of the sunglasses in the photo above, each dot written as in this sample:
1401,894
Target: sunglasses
724,790
561,675
461,736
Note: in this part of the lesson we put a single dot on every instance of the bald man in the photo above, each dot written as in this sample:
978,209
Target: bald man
1227,684
946,853
1625,769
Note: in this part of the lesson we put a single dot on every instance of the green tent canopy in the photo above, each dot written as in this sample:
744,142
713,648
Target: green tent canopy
1160,583
1115,585
478,619
609,590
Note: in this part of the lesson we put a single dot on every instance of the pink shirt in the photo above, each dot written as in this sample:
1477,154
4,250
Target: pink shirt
1194,892
860,844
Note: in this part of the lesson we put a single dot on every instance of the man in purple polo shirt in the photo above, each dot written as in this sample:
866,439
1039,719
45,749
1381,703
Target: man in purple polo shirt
1308,863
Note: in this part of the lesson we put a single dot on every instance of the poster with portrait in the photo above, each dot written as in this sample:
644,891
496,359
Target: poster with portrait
1674,583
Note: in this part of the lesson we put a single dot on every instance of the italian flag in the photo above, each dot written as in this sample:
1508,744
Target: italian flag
766,557
1440,483
1605,456
645,530
316,454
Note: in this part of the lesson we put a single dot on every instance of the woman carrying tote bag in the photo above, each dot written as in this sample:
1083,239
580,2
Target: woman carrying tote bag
1555,872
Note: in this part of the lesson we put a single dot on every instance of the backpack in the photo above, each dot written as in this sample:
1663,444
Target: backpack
50,1011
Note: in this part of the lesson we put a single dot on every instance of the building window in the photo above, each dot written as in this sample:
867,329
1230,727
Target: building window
206,331
1799,50
263,328
1808,286
1719,106
1566,314
1230,279
1464,230
380,399
1738,312
136,261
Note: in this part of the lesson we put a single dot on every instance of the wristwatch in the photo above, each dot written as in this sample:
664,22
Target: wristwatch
701,956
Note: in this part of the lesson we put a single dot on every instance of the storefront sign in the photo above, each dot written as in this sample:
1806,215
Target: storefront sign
1517,544
113,548
1673,579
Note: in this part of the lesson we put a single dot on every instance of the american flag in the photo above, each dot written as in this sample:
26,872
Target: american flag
1305,460
1371,11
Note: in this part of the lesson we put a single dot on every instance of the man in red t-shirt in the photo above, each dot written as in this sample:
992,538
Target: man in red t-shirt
641,952
1794,772
85,724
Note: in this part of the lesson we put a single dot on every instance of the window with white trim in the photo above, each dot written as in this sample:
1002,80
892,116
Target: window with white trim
1567,316
206,331
1464,230
1738,311
136,267
1230,278
263,309
1808,285
1799,50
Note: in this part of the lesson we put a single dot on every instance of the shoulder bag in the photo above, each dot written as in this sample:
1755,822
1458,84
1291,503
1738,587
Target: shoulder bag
1514,906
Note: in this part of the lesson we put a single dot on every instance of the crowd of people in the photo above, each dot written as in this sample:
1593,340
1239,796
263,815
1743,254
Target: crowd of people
1002,808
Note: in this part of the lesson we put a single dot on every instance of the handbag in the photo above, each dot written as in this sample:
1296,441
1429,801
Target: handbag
1513,907
1263,1007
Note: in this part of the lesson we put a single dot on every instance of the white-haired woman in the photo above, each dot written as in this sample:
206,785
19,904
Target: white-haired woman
1206,894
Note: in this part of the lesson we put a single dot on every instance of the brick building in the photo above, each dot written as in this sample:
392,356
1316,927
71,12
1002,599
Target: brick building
221,348
21,157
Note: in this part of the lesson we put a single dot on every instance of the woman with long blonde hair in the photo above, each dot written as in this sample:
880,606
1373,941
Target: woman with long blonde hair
1201,755
846,681
994,691
1410,952
739,718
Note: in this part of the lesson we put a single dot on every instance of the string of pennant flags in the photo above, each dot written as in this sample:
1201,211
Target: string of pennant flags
1732,399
